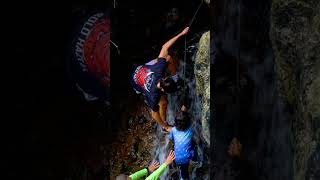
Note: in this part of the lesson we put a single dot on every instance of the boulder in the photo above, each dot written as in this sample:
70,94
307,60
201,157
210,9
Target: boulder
202,77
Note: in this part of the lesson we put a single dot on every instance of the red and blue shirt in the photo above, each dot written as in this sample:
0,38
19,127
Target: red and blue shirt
145,78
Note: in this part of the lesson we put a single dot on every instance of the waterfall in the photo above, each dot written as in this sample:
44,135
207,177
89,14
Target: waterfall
162,149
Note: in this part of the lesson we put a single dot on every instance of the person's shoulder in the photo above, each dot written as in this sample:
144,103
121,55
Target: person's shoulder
161,60
174,130
189,130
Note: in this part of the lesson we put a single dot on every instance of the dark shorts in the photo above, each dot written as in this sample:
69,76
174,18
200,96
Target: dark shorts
184,172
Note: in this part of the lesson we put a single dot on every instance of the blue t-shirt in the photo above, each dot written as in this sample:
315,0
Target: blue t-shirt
183,147
145,78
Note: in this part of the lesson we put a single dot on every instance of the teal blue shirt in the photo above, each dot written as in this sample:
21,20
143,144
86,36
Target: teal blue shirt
183,147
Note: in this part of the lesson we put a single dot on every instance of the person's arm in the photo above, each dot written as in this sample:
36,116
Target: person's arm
153,104
144,172
156,116
168,44
156,174
139,174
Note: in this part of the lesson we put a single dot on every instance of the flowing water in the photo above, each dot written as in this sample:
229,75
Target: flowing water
162,149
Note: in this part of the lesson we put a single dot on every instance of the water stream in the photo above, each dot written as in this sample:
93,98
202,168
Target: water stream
162,149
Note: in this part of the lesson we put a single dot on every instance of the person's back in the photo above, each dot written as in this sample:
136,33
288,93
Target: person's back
183,147
145,78
182,137
149,79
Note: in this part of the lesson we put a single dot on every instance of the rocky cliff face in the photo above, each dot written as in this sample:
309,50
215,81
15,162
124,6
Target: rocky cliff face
133,148
202,75
295,33
246,96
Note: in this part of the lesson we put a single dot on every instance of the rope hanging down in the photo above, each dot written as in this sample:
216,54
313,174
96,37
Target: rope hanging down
185,42
194,16
185,59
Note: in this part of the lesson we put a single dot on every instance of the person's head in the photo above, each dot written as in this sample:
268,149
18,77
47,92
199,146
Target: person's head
167,85
122,177
182,121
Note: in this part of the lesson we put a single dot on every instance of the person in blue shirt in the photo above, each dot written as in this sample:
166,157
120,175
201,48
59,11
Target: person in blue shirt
182,136
150,80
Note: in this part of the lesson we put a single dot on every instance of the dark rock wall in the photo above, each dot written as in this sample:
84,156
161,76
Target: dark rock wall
295,32
246,97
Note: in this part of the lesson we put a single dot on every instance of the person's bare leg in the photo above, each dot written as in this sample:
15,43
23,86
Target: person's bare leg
158,119
163,108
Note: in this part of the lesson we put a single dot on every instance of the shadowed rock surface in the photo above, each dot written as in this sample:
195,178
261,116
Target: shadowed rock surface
295,32
246,95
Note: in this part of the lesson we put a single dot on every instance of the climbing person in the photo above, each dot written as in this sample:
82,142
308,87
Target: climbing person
182,137
150,173
150,80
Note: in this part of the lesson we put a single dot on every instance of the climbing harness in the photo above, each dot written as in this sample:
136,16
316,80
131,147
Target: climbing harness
194,16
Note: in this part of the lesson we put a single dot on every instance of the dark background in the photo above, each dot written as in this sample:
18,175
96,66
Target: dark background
51,131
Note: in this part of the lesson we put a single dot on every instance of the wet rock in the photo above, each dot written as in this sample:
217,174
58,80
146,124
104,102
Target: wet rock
133,148
295,36
202,75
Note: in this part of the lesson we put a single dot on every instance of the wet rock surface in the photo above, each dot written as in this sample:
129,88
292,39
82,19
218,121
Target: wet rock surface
295,35
132,149
202,78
